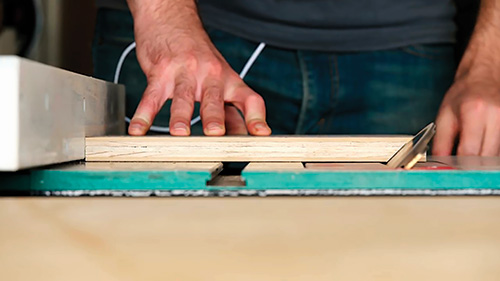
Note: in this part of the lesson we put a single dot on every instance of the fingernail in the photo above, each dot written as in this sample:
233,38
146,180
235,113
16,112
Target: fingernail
214,126
180,126
260,127
138,125
136,129
135,126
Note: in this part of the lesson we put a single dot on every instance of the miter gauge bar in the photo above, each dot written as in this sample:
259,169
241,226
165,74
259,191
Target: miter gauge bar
410,153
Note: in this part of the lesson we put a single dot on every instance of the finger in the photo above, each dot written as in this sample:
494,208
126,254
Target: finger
253,107
151,102
235,124
212,108
491,140
181,110
446,132
471,132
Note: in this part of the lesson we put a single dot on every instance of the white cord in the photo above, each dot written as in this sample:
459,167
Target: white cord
195,120
252,59
121,60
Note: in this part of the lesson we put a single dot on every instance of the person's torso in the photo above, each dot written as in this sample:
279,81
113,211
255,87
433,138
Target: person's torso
330,25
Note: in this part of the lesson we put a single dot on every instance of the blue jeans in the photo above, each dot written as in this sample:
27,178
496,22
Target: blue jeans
395,91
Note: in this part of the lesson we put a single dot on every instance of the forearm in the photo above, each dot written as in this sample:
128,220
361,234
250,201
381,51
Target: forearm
482,55
166,28
170,14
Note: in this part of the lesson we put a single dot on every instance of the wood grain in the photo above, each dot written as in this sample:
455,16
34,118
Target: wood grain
293,239
274,166
246,148
347,166
144,166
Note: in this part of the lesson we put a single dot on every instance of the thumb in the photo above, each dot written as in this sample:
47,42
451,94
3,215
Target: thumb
446,132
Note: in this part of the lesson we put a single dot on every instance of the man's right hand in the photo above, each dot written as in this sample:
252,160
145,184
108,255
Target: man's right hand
182,64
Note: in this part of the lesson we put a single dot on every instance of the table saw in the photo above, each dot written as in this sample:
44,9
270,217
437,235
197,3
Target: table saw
342,220
65,137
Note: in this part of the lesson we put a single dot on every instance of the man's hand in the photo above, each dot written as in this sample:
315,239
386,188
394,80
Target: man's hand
471,108
182,64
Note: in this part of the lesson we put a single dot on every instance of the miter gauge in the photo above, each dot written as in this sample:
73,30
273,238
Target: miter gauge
410,153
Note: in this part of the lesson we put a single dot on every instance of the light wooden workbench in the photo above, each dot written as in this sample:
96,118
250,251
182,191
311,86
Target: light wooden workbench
327,238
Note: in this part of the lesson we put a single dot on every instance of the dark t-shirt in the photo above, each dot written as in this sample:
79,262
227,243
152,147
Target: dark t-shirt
330,25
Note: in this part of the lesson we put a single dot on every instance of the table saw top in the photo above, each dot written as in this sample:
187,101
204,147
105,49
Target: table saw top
437,176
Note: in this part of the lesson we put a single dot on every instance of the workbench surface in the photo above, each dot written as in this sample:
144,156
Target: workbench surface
227,239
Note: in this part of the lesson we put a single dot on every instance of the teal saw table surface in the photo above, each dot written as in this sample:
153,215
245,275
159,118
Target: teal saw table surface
438,176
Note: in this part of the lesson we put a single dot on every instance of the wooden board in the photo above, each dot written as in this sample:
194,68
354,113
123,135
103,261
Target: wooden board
47,113
302,167
347,166
244,148
211,167
274,166
247,239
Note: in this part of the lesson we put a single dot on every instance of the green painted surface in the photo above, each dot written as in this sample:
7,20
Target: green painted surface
72,177
397,179
137,180
37,180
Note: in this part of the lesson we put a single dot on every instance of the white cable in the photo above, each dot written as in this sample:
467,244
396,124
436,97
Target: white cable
195,120
252,59
121,60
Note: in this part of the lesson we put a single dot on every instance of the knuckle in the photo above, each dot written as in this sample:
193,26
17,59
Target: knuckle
184,88
214,66
213,93
474,105
152,103
181,103
255,98
212,104
153,99
185,94
211,108
181,111
188,61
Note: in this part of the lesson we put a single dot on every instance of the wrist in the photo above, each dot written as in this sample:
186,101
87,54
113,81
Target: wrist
481,59
173,31
482,56
176,18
